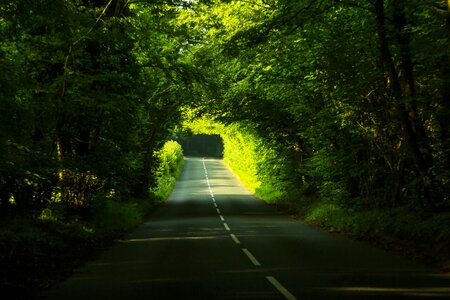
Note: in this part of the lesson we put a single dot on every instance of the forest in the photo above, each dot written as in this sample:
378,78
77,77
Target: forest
336,109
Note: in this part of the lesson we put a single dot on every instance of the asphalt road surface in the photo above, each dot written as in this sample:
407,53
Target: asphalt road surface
214,240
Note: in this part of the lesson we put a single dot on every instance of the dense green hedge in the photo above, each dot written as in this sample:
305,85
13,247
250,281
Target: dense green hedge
171,163
257,164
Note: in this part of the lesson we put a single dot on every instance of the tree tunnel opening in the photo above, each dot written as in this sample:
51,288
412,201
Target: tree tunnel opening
202,145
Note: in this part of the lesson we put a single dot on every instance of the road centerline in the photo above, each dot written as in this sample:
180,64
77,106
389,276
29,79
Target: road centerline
252,258
235,239
281,288
226,226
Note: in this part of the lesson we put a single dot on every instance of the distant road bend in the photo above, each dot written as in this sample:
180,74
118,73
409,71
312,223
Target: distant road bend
214,240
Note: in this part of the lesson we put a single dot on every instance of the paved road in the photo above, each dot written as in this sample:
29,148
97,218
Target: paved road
213,240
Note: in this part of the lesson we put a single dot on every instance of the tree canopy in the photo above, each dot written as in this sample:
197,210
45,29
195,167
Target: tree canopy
348,100
352,95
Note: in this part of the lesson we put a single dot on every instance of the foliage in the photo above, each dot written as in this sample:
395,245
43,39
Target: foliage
171,163
90,89
240,154
36,253
342,91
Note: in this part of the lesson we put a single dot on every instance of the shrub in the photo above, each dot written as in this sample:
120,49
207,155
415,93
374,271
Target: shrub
171,163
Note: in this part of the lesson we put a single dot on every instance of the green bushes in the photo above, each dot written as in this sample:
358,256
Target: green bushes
171,163
257,164
110,216
38,252
240,155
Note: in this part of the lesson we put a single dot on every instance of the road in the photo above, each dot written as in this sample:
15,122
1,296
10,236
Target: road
214,240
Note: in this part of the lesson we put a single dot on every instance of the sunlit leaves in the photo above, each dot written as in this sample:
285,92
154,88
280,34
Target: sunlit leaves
308,75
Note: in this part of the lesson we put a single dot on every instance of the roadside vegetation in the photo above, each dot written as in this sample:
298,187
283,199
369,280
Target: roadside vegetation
171,162
38,250
405,229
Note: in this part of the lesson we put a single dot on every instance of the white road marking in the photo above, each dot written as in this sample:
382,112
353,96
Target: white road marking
226,226
281,288
222,218
250,256
218,211
235,239
215,204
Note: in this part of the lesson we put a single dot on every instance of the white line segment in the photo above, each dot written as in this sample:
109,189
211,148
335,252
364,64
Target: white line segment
235,239
226,226
250,256
222,218
281,288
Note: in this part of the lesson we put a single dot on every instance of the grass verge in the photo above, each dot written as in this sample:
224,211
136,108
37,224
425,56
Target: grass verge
421,237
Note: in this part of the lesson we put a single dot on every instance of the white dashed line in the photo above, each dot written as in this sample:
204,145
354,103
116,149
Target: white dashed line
281,288
250,256
235,239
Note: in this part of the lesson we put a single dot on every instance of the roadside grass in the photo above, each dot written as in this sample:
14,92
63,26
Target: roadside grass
421,237
38,250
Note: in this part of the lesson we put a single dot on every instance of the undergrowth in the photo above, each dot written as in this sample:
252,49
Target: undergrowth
170,167
420,236
37,250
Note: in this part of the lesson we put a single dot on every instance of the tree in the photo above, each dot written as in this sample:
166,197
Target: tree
340,89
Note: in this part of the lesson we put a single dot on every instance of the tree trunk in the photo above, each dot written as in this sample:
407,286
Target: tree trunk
142,188
409,134
407,82
443,111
